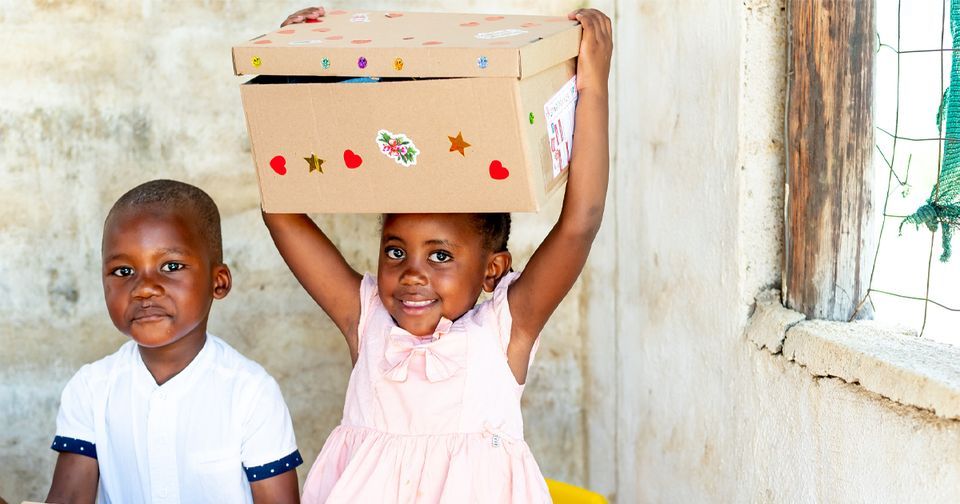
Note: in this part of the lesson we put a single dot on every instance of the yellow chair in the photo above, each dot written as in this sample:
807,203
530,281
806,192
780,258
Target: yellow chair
564,493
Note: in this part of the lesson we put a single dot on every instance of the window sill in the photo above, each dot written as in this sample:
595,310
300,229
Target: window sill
898,366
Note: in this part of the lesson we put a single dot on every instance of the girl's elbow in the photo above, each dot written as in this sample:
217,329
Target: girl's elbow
585,229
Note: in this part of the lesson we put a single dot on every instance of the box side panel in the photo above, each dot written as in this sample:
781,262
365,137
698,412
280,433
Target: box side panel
534,93
543,54
344,126
249,105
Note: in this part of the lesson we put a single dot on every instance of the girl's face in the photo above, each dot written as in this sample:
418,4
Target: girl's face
433,265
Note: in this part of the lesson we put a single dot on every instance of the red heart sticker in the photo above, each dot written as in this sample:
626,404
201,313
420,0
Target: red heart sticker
498,171
351,160
279,165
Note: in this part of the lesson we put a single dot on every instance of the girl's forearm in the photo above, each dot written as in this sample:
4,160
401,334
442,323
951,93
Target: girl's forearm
586,192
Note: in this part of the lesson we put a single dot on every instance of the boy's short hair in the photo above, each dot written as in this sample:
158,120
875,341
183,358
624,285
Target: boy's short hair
495,230
171,194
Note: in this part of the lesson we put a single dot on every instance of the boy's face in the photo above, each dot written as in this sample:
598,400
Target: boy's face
159,276
433,265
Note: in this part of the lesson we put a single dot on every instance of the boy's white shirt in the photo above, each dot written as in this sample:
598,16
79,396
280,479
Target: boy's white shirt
186,441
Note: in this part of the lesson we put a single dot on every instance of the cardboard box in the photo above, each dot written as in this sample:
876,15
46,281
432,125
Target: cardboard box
469,112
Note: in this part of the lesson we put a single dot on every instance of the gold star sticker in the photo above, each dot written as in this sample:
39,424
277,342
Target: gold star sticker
457,143
315,163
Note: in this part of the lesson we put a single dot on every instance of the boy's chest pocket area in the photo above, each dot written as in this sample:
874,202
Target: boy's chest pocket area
216,476
212,462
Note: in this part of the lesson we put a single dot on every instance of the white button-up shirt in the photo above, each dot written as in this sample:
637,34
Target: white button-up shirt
202,436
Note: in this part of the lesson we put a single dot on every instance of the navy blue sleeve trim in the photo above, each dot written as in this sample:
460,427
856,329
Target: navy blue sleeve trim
71,445
272,469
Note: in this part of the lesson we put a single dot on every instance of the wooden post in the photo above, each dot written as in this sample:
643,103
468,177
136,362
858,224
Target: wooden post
829,216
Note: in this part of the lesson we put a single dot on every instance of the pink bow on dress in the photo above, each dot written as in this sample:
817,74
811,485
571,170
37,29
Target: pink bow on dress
443,356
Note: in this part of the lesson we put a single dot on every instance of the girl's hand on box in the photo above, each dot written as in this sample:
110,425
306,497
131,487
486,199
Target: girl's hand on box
302,15
596,47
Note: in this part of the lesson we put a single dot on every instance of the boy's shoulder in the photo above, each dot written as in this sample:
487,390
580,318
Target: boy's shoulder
228,361
104,367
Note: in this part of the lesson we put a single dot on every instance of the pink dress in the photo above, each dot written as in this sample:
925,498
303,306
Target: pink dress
433,419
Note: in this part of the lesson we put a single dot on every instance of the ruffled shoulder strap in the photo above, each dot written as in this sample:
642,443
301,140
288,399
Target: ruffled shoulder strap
500,307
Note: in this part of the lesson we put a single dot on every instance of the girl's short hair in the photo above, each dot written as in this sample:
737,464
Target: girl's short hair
494,229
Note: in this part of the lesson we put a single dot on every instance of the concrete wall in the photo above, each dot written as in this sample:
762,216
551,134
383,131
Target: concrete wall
702,414
96,97
646,388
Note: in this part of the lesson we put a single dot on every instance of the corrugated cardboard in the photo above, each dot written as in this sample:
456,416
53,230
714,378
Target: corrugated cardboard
444,78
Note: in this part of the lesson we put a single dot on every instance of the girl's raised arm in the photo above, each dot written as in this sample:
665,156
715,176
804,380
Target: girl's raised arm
321,270
313,258
558,261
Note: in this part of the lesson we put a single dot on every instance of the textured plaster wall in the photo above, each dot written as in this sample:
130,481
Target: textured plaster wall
96,97
702,414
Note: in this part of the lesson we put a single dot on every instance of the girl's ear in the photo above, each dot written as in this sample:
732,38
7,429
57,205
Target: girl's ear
498,265
222,281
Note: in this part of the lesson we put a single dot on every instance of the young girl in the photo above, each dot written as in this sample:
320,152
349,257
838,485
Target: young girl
432,410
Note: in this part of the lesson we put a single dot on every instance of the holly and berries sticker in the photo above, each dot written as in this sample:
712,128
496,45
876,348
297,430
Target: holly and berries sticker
398,147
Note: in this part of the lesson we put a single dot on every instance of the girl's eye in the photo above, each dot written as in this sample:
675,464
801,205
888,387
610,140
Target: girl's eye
440,256
171,266
122,271
394,253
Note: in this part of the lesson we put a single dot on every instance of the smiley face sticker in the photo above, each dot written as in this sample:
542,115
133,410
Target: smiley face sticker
256,61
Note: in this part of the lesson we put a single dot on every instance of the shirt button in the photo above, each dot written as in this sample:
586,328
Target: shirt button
162,396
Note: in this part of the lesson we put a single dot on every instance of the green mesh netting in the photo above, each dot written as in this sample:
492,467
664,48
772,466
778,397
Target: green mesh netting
942,209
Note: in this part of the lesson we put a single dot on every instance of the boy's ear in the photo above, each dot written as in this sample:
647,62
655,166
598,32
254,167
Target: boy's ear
498,265
222,281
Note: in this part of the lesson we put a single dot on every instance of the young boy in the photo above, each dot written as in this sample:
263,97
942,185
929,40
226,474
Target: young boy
176,415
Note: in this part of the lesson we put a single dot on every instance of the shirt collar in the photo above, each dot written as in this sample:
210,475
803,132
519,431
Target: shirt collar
182,380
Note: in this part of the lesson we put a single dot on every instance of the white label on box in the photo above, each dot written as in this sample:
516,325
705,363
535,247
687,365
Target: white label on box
306,42
362,17
560,112
512,32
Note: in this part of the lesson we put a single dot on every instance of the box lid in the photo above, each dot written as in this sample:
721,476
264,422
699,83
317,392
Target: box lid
411,44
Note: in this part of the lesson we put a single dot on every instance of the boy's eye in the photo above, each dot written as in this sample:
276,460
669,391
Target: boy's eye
171,266
394,253
440,256
122,271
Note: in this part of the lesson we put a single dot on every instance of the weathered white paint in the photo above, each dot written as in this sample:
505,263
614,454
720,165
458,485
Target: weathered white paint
900,366
770,321
703,414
